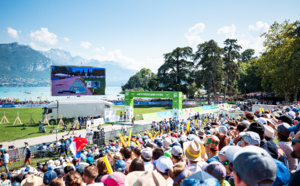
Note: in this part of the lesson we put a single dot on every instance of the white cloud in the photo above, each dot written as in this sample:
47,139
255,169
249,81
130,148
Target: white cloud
259,28
85,44
12,33
99,49
228,31
44,36
66,39
192,35
38,47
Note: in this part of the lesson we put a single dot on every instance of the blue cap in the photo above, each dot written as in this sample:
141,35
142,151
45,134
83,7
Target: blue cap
48,176
296,110
175,144
287,109
200,178
282,175
120,165
90,160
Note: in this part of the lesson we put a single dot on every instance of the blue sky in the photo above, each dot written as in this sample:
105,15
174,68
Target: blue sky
136,34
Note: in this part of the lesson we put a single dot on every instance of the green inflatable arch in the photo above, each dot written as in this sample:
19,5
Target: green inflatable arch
175,96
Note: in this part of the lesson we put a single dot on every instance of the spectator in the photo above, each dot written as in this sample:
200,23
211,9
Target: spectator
90,173
137,165
102,170
179,172
126,153
49,175
211,147
195,153
146,157
163,165
73,178
6,161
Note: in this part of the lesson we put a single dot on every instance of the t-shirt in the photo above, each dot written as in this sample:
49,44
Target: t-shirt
62,148
287,149
6,158
2,152
28,153
6,182
214,158
225,183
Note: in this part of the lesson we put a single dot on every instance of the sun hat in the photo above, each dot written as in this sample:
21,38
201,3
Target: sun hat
177,151
163,164
213,142
216,169
132,177
253,165
148,178
32,180
200,178
269,132
194,150
114,179
283,129
251,138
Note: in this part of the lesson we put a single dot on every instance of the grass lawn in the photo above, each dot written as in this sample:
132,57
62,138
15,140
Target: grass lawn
11,132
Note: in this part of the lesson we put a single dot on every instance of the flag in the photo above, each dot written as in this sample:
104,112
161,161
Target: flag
77,145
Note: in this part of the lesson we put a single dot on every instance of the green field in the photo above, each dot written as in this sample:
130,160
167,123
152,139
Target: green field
11,132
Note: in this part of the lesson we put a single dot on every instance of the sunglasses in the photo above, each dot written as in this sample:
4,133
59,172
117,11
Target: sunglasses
225,162
295,141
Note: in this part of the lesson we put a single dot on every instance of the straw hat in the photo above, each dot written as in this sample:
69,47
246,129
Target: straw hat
194,150
32,181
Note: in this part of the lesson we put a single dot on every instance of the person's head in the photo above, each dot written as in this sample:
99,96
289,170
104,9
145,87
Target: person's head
217,170
223,140
146,154
60,173
137,165
253,166
90,173
157,153
3,176
259,128
283,133
249,138
179,172
56,182
250,116
241,127
177,154
163,165
195,151
296,146
68,169
211,144
101,167
137,151
285,118
1,145
223,160
49,175
116,157
73,178
120,166
126,152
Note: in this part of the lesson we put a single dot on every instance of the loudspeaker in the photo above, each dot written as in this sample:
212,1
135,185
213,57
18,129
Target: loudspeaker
96,135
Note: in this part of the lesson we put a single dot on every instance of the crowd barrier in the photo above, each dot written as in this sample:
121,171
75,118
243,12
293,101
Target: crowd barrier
19,153
162,103
27,105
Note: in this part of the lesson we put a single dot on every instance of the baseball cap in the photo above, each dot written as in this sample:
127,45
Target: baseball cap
269,132
223,129
120,165
114,179
253,165
257,127
271,148
183,138
175,144
251,138
262,120
200,178
49,175
163,164
168,154
192,137
147,153
166,142
283,129
177,151
283,174
285,118
231,151
216,169
90,160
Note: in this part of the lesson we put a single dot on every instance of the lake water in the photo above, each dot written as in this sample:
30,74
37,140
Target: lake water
112,93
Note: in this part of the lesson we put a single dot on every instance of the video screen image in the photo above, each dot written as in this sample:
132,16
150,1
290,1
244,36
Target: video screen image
75,81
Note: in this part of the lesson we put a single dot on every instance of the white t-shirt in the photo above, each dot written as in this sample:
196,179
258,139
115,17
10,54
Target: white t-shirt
6,158
112,127
88,130
148,166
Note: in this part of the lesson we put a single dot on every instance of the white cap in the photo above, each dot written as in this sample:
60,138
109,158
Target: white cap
269,132
166,142
246,122
230,152
163,164
262,120
183,138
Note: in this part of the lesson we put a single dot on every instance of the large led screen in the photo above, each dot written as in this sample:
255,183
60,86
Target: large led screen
75,81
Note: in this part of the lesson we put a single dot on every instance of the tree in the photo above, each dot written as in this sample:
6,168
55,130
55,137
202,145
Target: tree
209,64
140,80
248,55
279,64
174,74
231,59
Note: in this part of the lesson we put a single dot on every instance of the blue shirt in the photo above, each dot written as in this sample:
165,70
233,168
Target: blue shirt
62,148
28,153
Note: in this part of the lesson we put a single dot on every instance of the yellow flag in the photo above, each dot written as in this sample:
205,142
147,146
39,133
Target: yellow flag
108,166
122,140
150,135
129,137
155,134
188,127
138,143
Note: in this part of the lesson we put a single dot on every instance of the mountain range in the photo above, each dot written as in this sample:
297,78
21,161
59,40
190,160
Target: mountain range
20,65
